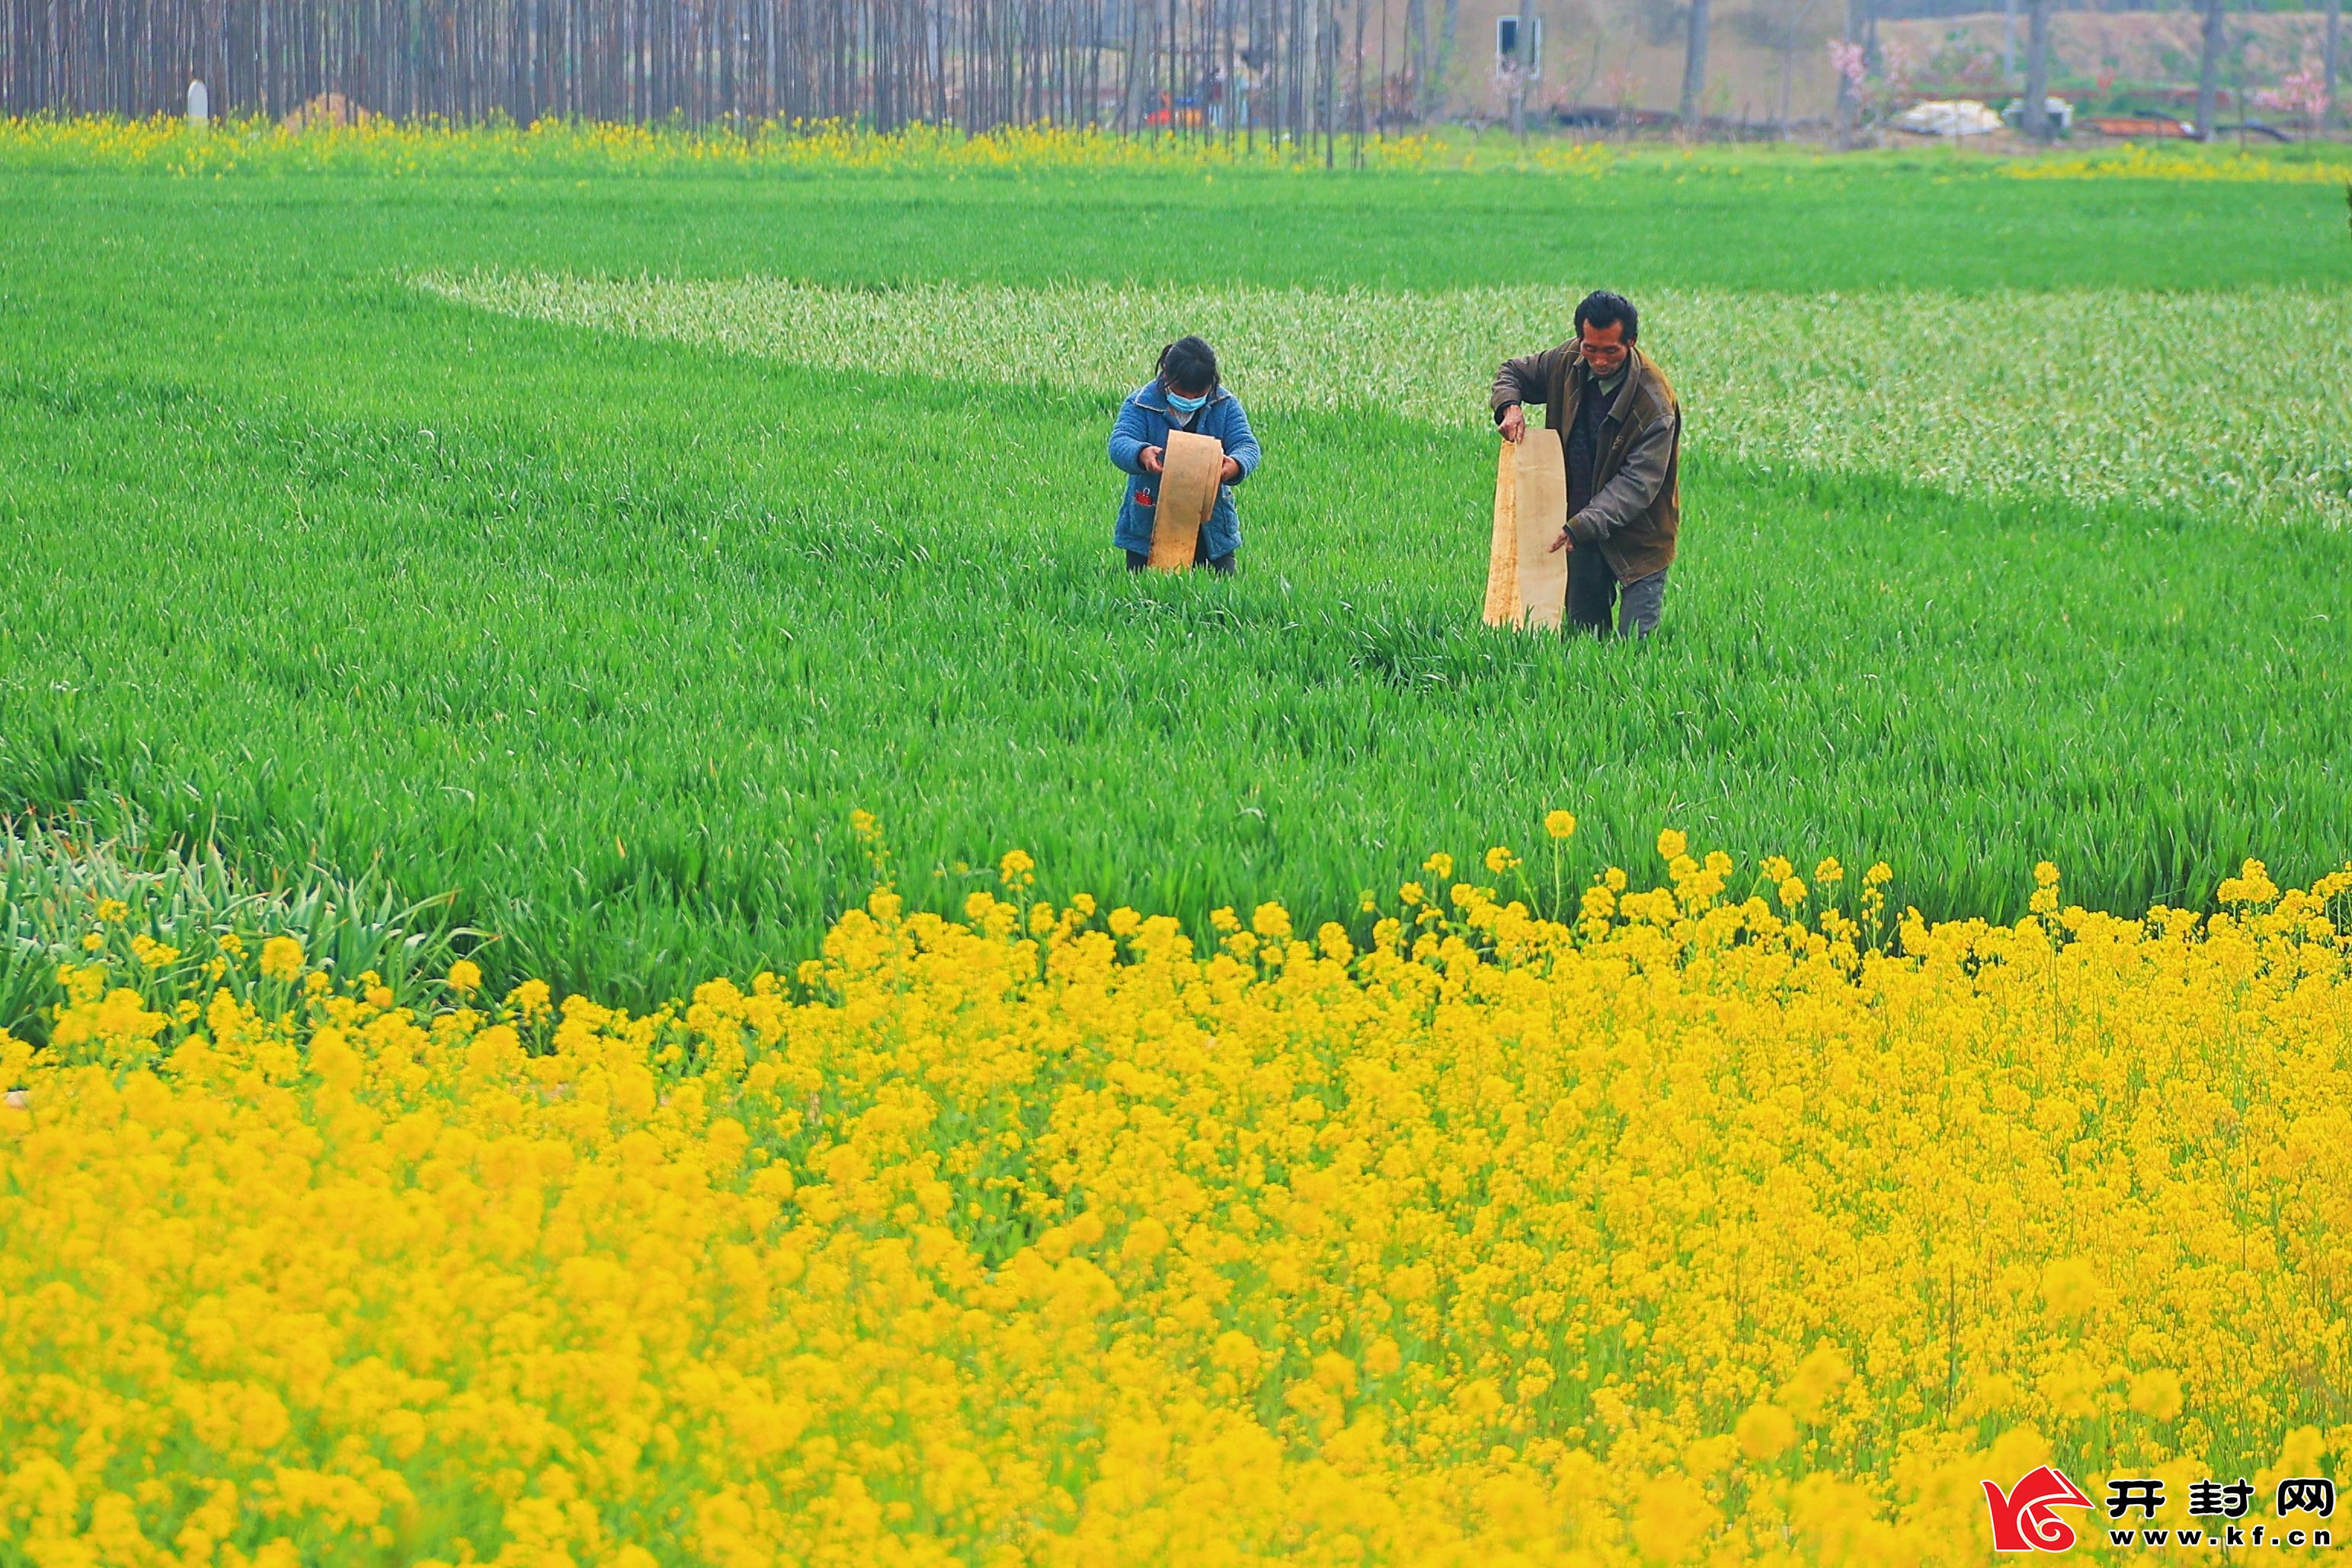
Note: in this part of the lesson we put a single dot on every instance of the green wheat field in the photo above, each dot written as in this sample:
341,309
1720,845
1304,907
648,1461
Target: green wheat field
586,544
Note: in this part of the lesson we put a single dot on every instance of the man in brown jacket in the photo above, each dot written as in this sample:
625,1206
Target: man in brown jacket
1623,433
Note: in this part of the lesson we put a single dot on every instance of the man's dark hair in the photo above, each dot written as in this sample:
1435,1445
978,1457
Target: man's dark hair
1188,365
1603,309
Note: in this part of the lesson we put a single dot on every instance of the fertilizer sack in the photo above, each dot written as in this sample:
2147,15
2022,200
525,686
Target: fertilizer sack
1191,468
1527,580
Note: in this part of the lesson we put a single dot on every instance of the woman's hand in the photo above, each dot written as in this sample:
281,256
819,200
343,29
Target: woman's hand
1232,473
1565,542
1151,459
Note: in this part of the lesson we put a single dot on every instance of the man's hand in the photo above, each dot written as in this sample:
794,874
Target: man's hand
1562,542
1514,423
1232,472
1150,458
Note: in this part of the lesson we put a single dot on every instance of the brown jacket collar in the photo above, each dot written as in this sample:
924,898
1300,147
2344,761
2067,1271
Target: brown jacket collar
1580,377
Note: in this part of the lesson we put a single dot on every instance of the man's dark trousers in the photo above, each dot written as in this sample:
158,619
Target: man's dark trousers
1593,586
1593,592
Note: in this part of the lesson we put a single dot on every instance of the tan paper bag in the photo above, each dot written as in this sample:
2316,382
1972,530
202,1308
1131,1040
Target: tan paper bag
1527,580
1193,467
1503,552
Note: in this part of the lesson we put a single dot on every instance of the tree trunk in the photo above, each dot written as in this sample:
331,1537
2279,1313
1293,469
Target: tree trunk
2209,71
2331,55
1447,19
1849,96
2037,73
1695,68
1416,52
1358,93
1142,19
1310,73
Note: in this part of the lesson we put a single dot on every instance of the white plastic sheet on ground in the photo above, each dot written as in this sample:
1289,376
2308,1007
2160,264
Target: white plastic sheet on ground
1948,117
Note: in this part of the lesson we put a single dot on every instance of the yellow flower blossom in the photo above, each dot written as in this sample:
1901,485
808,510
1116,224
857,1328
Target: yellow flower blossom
2156,1393
2251,885
1809,1393
2068,1284
281,959
1765,1432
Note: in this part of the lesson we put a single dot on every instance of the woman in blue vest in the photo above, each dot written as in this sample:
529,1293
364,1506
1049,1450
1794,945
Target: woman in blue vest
1184,395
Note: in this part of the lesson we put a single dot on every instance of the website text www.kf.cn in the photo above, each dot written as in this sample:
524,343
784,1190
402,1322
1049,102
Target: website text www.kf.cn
2025,1518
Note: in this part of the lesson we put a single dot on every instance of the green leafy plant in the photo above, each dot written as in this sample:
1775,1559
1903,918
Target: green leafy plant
177,926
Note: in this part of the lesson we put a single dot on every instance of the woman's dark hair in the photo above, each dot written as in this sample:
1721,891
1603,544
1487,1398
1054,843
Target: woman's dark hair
1188,365
1603,309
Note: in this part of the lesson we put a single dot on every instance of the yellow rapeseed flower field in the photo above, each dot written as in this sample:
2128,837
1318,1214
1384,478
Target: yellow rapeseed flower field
2140,160
1703,1228
384,146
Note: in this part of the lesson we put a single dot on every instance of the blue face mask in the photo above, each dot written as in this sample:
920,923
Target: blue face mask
1184,404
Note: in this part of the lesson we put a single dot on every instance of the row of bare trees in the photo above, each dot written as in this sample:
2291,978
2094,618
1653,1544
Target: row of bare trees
2213,43
1290,69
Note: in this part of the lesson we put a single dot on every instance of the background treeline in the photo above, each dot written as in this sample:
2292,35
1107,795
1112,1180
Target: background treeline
1237,68
1241,68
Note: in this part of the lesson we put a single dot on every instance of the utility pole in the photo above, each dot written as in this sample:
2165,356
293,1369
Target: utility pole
1519,52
